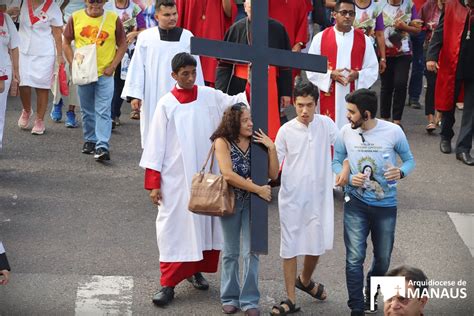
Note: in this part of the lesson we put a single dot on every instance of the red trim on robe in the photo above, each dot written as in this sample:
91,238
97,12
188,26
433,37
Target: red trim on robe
172,273
3,78
152,179
455,16
329,49
185,95
241,71
2,18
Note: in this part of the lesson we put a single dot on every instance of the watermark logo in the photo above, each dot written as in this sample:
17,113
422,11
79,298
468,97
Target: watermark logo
385,288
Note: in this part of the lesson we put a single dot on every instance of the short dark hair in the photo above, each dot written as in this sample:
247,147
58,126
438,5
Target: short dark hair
165,3
304,88
339,2
417,277
181,60
365,100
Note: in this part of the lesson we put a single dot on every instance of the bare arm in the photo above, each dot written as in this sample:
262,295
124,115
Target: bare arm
67,49
380,38
15,58
273,165
227,6
57,34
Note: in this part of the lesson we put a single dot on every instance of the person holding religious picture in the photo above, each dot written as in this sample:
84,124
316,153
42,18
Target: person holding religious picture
232,141
148,77
176,147
40,46
233,77
305,200
371,146
346,71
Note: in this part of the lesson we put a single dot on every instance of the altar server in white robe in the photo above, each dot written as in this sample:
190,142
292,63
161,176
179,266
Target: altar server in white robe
149,73
176,147
352,62
305,199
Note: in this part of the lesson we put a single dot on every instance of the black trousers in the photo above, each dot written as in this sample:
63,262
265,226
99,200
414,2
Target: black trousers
430,92
394,87
464,141
118,87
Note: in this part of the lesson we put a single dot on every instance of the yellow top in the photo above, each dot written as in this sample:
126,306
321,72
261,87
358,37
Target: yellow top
85,33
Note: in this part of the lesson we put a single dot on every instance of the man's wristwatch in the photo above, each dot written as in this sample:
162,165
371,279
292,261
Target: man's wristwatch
383,59
402,175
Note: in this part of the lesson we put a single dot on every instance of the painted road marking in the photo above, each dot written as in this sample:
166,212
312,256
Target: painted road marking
105,295
464,224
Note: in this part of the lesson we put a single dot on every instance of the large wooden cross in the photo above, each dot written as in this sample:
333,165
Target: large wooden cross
260,55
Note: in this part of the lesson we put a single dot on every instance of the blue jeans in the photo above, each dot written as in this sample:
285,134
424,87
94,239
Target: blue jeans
417,67
360,219
231,294
95,100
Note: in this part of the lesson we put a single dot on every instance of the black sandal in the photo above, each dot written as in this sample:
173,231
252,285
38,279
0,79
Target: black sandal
282,311
310,287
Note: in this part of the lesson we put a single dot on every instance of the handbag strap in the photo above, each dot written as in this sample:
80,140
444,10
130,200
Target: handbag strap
209,155
101,24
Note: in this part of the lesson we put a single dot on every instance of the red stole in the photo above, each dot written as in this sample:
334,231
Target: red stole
185,95
455,16
329,49
241,71
42,14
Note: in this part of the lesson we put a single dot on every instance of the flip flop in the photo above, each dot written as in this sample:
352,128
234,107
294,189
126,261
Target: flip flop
430,127
310,287
281,310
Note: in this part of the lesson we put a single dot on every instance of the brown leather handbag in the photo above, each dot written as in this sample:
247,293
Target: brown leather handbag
210,193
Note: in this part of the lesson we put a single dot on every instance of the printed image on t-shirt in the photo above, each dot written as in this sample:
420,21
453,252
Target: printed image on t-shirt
397,42
368,167
90,32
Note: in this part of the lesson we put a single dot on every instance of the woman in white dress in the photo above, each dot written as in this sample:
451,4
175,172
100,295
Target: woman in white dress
9,41
40,43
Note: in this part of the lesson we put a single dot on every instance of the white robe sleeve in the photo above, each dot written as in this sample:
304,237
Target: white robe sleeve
370,67
280,144
333,130
199,75
224,100
134,86
154,149
321,80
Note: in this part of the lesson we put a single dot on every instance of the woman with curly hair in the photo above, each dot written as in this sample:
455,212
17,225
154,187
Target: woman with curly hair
232,148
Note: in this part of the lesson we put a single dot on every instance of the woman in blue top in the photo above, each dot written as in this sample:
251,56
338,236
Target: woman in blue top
232,142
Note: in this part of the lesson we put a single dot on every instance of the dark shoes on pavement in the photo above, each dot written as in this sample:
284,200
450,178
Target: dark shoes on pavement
88,148
445,146
198,281
164,296
466,158
230,309
101,154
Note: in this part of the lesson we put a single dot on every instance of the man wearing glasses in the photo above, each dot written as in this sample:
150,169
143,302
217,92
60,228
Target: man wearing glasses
415,279
352,62
83,28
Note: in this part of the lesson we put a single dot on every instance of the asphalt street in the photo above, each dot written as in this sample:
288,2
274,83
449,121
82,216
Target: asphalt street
80,235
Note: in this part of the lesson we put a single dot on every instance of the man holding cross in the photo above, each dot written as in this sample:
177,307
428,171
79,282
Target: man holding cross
346,72
233,78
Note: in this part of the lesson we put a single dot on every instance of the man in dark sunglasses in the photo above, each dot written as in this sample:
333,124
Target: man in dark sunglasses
352,62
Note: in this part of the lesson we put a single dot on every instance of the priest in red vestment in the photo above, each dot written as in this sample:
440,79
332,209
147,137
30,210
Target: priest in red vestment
207,19
176,147
451,54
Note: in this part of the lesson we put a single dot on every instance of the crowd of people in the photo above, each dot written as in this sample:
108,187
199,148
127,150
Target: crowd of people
141,54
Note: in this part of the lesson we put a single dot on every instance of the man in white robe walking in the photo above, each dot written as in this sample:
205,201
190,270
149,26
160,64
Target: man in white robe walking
352,62
305,199
176,148
149,73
